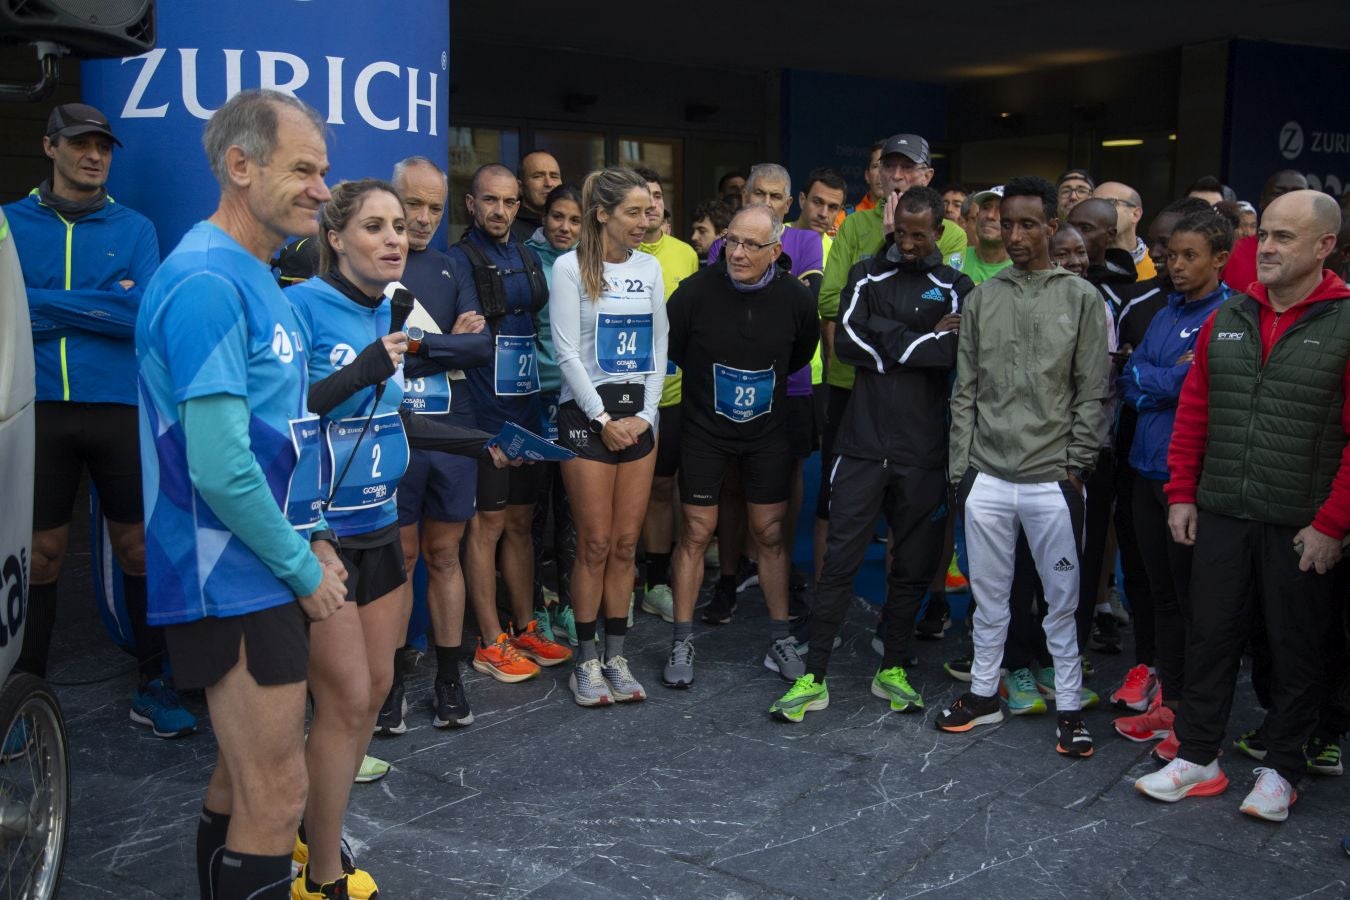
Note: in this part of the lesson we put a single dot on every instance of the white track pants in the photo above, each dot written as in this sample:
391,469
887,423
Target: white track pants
1051,514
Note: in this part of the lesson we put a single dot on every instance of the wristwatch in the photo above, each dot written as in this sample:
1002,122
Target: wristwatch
325,534
1080,473
599,422
415,336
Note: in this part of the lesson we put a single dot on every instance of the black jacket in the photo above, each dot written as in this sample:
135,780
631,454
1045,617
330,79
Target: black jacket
713,324
888,310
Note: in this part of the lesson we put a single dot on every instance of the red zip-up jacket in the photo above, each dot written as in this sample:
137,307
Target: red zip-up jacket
1186,453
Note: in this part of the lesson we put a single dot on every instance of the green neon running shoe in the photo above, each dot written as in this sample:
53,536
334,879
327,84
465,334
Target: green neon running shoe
804,696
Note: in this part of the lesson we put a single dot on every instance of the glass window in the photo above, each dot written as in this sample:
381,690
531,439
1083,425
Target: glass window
472,147
579,153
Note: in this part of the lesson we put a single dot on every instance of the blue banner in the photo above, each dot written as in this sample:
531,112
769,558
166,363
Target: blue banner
1288,112
377,72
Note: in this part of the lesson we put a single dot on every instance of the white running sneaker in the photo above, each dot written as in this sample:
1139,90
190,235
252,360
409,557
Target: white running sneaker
1271,798
588,685
1180,779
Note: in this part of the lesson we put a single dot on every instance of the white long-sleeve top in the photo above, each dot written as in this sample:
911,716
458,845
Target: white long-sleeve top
631,320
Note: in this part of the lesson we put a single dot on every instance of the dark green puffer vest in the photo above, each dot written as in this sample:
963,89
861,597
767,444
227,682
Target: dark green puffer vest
1275,436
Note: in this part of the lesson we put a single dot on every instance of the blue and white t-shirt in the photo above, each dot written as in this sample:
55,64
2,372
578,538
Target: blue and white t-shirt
337,329
213,322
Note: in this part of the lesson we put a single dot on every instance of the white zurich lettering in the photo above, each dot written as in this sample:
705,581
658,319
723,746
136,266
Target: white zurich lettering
287,72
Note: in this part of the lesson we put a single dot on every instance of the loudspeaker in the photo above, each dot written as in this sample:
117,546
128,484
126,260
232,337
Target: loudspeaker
88,28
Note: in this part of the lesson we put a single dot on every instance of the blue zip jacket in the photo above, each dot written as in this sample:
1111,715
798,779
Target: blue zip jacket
427,275
514,367
84,322
1151,380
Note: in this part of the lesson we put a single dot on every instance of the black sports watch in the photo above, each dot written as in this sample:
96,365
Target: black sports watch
325,534
599,422
415,336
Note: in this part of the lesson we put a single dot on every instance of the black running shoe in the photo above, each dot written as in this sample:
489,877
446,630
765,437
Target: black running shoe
452,705
723,604
937,618
747,574
970,710
394,712
1105,635
798,610
1071,736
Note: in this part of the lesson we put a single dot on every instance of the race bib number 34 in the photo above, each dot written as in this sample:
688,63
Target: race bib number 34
623,344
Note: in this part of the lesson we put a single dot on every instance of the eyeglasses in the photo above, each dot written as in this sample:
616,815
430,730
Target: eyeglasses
1117,202
748,246
1070,191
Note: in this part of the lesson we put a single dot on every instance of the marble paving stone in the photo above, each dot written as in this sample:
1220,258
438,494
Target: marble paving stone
698,793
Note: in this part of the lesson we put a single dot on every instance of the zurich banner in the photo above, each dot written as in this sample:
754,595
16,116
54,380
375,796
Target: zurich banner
378,72
1288,111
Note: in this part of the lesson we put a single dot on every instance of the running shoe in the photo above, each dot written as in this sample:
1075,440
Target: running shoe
1071,736
969,710
392,719
360,886
156,705
1324,756
533,645
1045,683
1167,749
1105,637
784,659
1250,743
543,623
722,606
332,890
564,623
1018,687
1138,691
1156,723
803,697
1345,844
747,575
936,619
893,684
956,581
1271,798
798,580
1118,611
588,684
659,600
503,661
798,608
959,668
623,687
1180,779
370,770
679,670
452,705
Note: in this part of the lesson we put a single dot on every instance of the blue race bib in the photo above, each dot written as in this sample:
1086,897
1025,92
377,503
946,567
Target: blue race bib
741,395
517,375
381,459
623,344
304,490
549,419
428,396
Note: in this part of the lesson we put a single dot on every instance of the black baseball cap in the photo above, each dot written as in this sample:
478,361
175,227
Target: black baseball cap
74,119
910,145
1080,174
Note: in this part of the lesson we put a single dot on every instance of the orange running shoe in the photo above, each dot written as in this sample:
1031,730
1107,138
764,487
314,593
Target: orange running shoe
533,645
955,580
503,661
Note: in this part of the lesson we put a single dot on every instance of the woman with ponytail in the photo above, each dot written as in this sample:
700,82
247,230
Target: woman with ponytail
607,309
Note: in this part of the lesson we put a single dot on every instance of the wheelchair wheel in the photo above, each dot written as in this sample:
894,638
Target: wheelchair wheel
34,789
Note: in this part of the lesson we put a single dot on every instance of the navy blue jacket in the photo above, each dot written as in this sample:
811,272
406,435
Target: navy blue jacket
1151,381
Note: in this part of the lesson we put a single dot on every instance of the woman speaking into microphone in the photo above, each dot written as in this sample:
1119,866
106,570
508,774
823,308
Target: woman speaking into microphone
362,247
607,308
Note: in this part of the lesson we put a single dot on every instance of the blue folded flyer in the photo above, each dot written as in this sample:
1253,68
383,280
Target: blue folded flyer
521,443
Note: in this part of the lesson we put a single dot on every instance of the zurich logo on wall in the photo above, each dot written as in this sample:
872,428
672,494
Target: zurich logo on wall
1291,140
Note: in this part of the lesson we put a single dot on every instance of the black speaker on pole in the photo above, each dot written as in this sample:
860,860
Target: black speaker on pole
87,28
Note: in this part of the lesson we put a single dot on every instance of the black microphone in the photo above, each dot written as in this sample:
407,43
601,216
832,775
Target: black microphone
400,307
